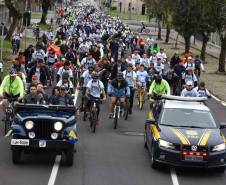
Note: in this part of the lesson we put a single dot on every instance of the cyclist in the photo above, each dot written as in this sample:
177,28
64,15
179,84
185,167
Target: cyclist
130,76
11,87
198,66
95,90
189,75
65,80
142,76
65,68
202,90
87,61
118,88
189,90
158,87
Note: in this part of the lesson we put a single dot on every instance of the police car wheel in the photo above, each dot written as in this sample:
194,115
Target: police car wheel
16,155
69,157
154,164
220,170
145,141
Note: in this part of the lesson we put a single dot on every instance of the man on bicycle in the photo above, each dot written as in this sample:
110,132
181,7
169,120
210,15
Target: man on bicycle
158,87
11,88
95,90
118,89
189,90
130,76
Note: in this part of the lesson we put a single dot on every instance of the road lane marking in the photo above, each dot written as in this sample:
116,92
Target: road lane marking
216,98
56,165
174,176
55,169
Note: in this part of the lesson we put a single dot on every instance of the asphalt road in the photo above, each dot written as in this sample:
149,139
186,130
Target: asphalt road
107,157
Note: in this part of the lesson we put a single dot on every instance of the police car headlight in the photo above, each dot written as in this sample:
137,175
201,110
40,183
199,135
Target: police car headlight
219,147
58,126
29,125
166,144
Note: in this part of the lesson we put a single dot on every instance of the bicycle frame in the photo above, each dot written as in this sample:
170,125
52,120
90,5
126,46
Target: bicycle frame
118,108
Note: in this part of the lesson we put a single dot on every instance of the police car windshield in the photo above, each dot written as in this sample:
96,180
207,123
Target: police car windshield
187,118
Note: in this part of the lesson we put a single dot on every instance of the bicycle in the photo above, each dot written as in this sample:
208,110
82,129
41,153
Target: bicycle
141,94
51,74
127,107
9,115
177,87
116,114
94,113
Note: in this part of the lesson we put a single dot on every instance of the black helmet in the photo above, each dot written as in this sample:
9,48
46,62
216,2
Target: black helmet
65,75
158,79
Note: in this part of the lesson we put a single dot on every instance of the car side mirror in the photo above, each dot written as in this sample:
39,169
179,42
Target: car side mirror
222,125
151,121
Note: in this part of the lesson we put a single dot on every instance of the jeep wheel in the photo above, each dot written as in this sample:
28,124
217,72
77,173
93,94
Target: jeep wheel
154,164
69,157
16,155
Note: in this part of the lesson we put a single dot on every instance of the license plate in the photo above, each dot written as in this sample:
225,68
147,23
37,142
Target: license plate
42,143
20,142
193,158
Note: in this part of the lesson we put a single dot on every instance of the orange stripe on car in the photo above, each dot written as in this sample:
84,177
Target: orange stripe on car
181,137
205,138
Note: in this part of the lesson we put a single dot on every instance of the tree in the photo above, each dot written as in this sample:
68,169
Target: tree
45,7
210,13
185,16
221,28
160,9
16,10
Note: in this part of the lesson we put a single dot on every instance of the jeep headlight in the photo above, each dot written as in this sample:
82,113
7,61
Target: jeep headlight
166,144
29,125
218,148
58,126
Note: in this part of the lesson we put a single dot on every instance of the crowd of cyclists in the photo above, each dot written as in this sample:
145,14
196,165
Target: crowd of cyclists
100,56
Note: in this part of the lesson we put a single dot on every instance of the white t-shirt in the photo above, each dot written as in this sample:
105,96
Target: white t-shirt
95,88
130,62
191,93
87,77
202,92
162,56
141,76
62,70
130,77
136,58
68,85
159,68
86,63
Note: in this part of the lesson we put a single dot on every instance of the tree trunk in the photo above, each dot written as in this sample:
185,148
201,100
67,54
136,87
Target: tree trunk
167,34
221,66
16,14
45,6
159,31
206,38
187,43
12,28
176,42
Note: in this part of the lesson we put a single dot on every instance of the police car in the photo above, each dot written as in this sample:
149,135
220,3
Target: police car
181,131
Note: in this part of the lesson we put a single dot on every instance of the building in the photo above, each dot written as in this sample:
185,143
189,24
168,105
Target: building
130,6
4,12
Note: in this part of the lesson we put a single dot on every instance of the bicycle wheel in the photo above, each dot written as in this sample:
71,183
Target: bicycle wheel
7,124
94,121
141,100
116,118
126,112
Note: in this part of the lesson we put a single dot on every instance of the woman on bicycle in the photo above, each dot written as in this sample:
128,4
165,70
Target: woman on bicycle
118,88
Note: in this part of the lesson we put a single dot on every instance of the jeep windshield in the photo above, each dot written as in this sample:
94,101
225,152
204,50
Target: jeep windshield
190,118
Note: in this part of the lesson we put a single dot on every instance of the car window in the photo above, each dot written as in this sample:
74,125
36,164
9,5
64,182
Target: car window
187,118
